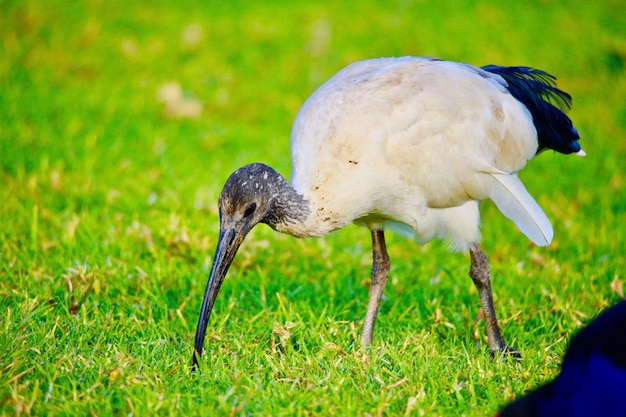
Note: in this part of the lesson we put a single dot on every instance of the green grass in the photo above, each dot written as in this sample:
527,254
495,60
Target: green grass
108,212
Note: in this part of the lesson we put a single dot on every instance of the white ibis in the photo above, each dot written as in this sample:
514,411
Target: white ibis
410,144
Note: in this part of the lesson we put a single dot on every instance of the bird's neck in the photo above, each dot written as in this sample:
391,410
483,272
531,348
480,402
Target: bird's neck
290,209
297,214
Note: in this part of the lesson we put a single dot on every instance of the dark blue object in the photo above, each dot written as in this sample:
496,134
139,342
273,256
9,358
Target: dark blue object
592,381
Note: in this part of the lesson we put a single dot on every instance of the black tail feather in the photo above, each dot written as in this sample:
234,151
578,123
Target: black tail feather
547,105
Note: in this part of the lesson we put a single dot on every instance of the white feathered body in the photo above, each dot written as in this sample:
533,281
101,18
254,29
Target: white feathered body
414,144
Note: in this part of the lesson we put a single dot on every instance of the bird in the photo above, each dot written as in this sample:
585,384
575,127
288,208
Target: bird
592,381
407,144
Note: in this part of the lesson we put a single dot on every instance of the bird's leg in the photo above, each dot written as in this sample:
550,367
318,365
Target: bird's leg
380,272
480,274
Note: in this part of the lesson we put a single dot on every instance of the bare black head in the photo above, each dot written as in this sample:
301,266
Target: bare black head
253,194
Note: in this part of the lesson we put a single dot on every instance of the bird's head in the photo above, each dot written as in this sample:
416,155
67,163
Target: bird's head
248,198
253,194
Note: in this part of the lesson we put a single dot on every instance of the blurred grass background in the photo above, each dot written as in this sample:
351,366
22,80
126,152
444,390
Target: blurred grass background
109,182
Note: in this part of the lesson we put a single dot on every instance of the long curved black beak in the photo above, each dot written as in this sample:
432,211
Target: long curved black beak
230,239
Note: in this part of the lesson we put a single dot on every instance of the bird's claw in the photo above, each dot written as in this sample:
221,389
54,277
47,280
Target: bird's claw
505,351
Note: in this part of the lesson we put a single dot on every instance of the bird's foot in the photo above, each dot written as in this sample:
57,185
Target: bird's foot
505,351
195,363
